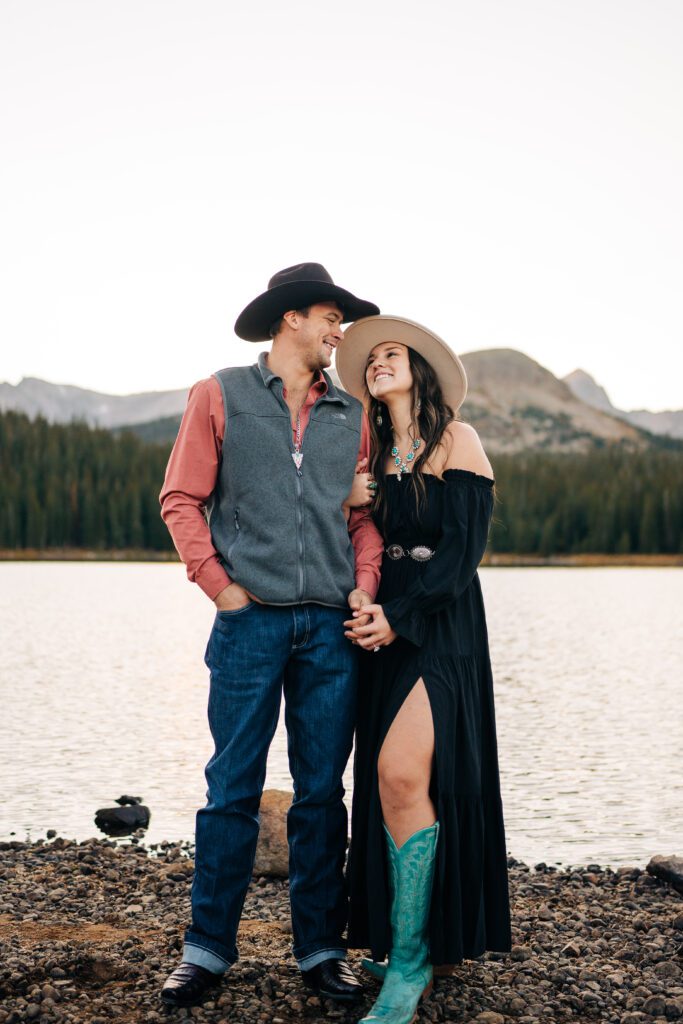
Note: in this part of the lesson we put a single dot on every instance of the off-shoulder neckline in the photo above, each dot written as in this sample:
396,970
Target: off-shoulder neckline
456,474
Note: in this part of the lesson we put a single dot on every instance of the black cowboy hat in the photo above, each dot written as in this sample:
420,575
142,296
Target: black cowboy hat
295,288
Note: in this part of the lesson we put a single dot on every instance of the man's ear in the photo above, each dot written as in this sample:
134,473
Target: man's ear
292,318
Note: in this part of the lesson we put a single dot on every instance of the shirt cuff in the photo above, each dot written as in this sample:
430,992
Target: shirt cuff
366,580
212,578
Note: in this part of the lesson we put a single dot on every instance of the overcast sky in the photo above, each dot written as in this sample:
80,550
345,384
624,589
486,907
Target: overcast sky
508,172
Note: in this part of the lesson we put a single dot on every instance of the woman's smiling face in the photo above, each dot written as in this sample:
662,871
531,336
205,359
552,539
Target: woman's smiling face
387,371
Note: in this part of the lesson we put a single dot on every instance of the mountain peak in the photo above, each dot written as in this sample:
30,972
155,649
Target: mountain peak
588,390
516,404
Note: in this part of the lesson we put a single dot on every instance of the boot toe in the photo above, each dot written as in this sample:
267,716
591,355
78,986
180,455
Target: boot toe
335,980
188,984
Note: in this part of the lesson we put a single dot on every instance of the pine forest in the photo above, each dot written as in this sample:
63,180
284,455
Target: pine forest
71,486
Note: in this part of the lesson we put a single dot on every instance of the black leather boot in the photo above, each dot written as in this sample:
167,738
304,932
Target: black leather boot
188,985
335,980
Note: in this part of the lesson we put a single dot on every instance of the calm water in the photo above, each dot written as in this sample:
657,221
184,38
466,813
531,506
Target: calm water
103,692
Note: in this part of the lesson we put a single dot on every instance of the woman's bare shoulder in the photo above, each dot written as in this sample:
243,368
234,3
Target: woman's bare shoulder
464,449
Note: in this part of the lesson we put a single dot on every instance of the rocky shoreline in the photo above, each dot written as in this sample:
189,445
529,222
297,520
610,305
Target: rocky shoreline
89,931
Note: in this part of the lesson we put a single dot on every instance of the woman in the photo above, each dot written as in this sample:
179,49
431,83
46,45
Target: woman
427,866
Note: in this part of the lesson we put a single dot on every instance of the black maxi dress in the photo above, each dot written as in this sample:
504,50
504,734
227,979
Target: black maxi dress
436,609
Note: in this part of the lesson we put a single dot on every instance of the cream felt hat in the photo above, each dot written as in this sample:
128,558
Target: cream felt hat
362,336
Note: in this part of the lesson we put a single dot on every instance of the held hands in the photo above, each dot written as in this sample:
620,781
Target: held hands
233,597
375,633
357,599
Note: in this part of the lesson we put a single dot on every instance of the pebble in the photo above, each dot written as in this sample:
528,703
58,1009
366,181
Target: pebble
89,947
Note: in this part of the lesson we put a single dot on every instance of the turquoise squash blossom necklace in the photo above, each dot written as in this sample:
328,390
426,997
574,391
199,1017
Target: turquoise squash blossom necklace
402,464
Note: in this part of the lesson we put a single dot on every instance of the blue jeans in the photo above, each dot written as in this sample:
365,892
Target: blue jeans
254,654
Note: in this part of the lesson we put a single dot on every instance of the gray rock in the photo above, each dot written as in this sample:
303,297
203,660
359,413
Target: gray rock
655,1006
666,969
669,869
520,953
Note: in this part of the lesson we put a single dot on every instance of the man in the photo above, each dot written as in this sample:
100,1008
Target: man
269,452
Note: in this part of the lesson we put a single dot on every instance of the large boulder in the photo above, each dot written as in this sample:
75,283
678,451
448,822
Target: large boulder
670,869
272,851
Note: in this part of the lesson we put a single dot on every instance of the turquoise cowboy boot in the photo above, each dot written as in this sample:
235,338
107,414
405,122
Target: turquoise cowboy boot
409,973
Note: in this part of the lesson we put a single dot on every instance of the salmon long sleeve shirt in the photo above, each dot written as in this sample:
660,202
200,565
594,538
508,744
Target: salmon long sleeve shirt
191,477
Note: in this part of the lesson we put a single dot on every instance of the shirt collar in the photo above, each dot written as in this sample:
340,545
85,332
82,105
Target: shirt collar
267,375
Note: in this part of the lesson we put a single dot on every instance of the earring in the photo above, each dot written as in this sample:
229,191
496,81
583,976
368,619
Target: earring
378,419
419,404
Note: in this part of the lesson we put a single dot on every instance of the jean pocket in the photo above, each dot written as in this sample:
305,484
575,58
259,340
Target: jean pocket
231,612
222,631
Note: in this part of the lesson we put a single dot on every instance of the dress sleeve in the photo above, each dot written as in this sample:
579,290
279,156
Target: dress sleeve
467,509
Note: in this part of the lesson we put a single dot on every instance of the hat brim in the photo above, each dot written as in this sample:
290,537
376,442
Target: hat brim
362,336
255,321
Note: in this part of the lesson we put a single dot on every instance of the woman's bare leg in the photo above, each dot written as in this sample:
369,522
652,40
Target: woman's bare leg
405,767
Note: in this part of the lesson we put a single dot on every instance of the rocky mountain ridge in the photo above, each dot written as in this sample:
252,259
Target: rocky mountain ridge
63,403
517,405
585,387
514,402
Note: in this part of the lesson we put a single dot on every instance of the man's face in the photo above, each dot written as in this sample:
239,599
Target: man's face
320,333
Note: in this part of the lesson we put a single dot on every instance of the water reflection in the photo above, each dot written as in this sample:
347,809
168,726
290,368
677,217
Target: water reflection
104,692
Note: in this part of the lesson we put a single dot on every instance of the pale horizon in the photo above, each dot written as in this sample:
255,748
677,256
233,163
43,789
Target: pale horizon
508,175
258,348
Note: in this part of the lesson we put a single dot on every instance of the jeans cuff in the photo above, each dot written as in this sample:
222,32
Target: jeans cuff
314,959
204,958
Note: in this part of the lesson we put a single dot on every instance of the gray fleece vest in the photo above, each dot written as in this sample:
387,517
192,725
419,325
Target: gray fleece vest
280,533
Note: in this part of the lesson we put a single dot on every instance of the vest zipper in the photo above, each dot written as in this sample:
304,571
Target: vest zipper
300,511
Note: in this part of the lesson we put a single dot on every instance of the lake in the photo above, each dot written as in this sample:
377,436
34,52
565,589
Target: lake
104,690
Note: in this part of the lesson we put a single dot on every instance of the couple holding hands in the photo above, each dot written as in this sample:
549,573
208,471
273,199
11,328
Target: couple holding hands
356,596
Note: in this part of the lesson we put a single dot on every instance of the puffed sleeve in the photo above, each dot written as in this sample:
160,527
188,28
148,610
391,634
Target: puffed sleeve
467,510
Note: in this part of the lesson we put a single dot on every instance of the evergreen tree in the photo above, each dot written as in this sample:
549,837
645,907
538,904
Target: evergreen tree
73,486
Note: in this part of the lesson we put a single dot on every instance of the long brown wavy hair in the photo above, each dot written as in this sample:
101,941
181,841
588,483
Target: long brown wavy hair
430,417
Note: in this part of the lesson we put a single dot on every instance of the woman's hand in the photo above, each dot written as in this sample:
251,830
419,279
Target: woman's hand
377,633
362,489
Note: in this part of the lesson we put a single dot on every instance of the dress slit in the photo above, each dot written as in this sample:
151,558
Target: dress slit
433,786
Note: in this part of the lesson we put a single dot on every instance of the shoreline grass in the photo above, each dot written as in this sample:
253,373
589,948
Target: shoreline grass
492,559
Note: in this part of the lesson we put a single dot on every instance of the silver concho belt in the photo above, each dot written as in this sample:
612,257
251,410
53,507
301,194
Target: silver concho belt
420,553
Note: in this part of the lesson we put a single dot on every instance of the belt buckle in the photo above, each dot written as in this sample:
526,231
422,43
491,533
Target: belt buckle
421,553
395,551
